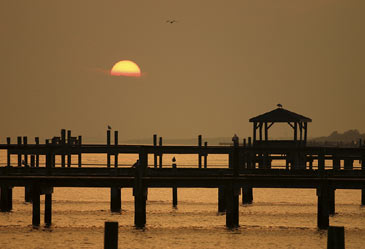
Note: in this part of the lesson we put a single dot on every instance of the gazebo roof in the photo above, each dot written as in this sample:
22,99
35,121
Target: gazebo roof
280,115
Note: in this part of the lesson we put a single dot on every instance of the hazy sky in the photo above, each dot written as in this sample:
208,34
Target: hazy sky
222,63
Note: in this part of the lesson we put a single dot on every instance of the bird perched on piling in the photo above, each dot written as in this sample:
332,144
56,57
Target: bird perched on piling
279,105
171,21
109,127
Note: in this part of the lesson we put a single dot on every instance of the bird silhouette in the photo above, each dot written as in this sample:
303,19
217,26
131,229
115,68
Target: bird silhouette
171,21
173,159
279,105
109,127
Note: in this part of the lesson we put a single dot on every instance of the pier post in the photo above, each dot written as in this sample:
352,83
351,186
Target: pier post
79,155
115,199
32,161
332,201
48,209
232,206
37,155
200,155
6,201
111,235
363,169
323,207
205,156
8,141
155,154
336,237
336,162
69,142
349,164
25,143
160,144
321,161
116,152
221,200
174,189
36,218
19,154
27,193
63,142
140,190
108,148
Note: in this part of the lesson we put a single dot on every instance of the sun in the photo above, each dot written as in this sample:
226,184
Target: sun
126,68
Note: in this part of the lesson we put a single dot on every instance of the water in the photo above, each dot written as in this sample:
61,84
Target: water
279,218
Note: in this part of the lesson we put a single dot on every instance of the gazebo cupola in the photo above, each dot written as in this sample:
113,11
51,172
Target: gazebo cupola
263,122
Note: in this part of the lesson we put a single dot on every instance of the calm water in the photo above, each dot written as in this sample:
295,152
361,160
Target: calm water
279,218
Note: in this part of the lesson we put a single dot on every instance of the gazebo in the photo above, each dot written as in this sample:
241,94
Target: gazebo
280,115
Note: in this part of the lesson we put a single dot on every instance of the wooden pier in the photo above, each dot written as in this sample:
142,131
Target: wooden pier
248,167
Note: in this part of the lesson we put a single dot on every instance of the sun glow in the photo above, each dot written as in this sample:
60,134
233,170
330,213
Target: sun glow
126,68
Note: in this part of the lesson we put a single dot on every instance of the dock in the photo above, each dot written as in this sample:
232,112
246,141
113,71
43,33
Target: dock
249,166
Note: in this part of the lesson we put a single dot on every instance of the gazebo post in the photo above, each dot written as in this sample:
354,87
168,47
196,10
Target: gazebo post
260,131
254,132
295,131
266,132
305,133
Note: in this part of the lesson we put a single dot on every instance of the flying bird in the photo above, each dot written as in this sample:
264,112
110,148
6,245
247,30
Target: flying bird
279,105
171,21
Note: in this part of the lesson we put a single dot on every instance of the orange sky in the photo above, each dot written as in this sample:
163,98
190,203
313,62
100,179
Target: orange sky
222,63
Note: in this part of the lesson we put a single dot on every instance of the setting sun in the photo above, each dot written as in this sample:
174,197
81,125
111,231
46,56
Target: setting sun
126,68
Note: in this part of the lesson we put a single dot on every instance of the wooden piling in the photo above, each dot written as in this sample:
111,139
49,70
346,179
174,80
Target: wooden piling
48,209
36,218
8,159
37,155
205,156
19,154
174,190
336,162
108,145
115,199
140,191
79,155
160,156
69,142
349,164
336,237
25,155
32,161
116,153
221,200
6,198
155,154
321,161
232,206
199,154
323,207
363,169
332,201
111,235
63,142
